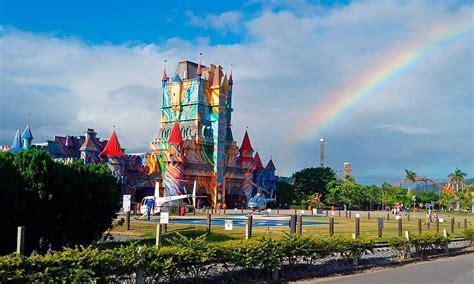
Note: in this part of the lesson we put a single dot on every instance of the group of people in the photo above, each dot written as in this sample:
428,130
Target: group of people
431,214
397,209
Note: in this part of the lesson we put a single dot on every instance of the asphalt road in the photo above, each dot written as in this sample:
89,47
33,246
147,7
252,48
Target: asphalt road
459,269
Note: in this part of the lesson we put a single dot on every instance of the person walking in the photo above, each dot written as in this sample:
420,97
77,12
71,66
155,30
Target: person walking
150,204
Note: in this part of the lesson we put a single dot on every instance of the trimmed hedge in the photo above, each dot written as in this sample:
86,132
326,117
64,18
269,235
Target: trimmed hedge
192,259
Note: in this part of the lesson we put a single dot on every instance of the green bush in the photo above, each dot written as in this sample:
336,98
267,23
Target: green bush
351,249
468,234
401,245
427,243
193,258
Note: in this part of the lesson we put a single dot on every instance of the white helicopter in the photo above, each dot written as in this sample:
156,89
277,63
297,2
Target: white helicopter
161,200
259,201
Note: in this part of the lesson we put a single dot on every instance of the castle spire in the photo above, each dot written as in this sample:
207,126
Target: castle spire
199,69
246,145
113,149
258,162
231,82
16,146
164,78
27,138
175,136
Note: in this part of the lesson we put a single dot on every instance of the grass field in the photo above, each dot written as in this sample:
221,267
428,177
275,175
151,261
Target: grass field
146,231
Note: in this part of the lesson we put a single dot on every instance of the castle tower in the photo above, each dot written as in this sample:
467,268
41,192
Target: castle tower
248,165
27,137
16,146
114,154
89,149
174,162
197,97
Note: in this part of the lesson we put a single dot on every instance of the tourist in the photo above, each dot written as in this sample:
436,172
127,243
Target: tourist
150,203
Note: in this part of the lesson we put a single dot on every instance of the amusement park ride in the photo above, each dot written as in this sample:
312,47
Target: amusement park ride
449,189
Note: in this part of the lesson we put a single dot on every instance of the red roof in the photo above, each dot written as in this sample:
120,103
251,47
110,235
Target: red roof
258,162
246,146
113,149
175,136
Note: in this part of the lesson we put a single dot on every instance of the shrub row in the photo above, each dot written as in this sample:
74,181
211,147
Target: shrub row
191,258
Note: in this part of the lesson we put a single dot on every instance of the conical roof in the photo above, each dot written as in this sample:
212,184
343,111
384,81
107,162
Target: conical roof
113,149
16,146
246,146
27,133
270,165
164,77
175,136
258,162
89,144
176,78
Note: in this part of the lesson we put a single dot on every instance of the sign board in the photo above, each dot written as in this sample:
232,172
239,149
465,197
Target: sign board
441,220
380,223
357,215
126,203
164,217
397,217
228,225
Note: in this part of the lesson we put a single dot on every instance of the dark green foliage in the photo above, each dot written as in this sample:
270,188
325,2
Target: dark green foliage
427,243
468,233
286,194
192,259
311,180
60,205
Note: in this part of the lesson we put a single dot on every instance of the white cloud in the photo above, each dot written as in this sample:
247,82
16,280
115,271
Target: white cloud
224,22
406,129
293,65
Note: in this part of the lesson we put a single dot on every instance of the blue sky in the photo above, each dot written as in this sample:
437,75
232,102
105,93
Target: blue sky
78,64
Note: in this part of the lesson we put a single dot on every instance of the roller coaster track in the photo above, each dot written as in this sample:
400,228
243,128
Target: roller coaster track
447,189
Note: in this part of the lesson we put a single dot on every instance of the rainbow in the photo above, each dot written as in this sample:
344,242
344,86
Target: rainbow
399,61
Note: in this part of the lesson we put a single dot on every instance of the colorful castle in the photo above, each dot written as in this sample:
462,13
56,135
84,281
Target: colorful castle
195,143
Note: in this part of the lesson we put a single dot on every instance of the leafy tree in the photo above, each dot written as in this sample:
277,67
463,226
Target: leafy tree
60,205
311,180
410,177
346,192
426,196
285,194
458,177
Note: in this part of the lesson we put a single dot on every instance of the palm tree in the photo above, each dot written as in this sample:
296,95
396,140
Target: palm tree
457,177
410,177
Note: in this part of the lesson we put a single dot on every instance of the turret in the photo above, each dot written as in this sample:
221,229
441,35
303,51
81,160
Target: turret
164,78
27,137
248,166
174,162
115,155
89,150
16,146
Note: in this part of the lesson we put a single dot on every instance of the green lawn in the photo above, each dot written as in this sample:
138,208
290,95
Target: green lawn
147,230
